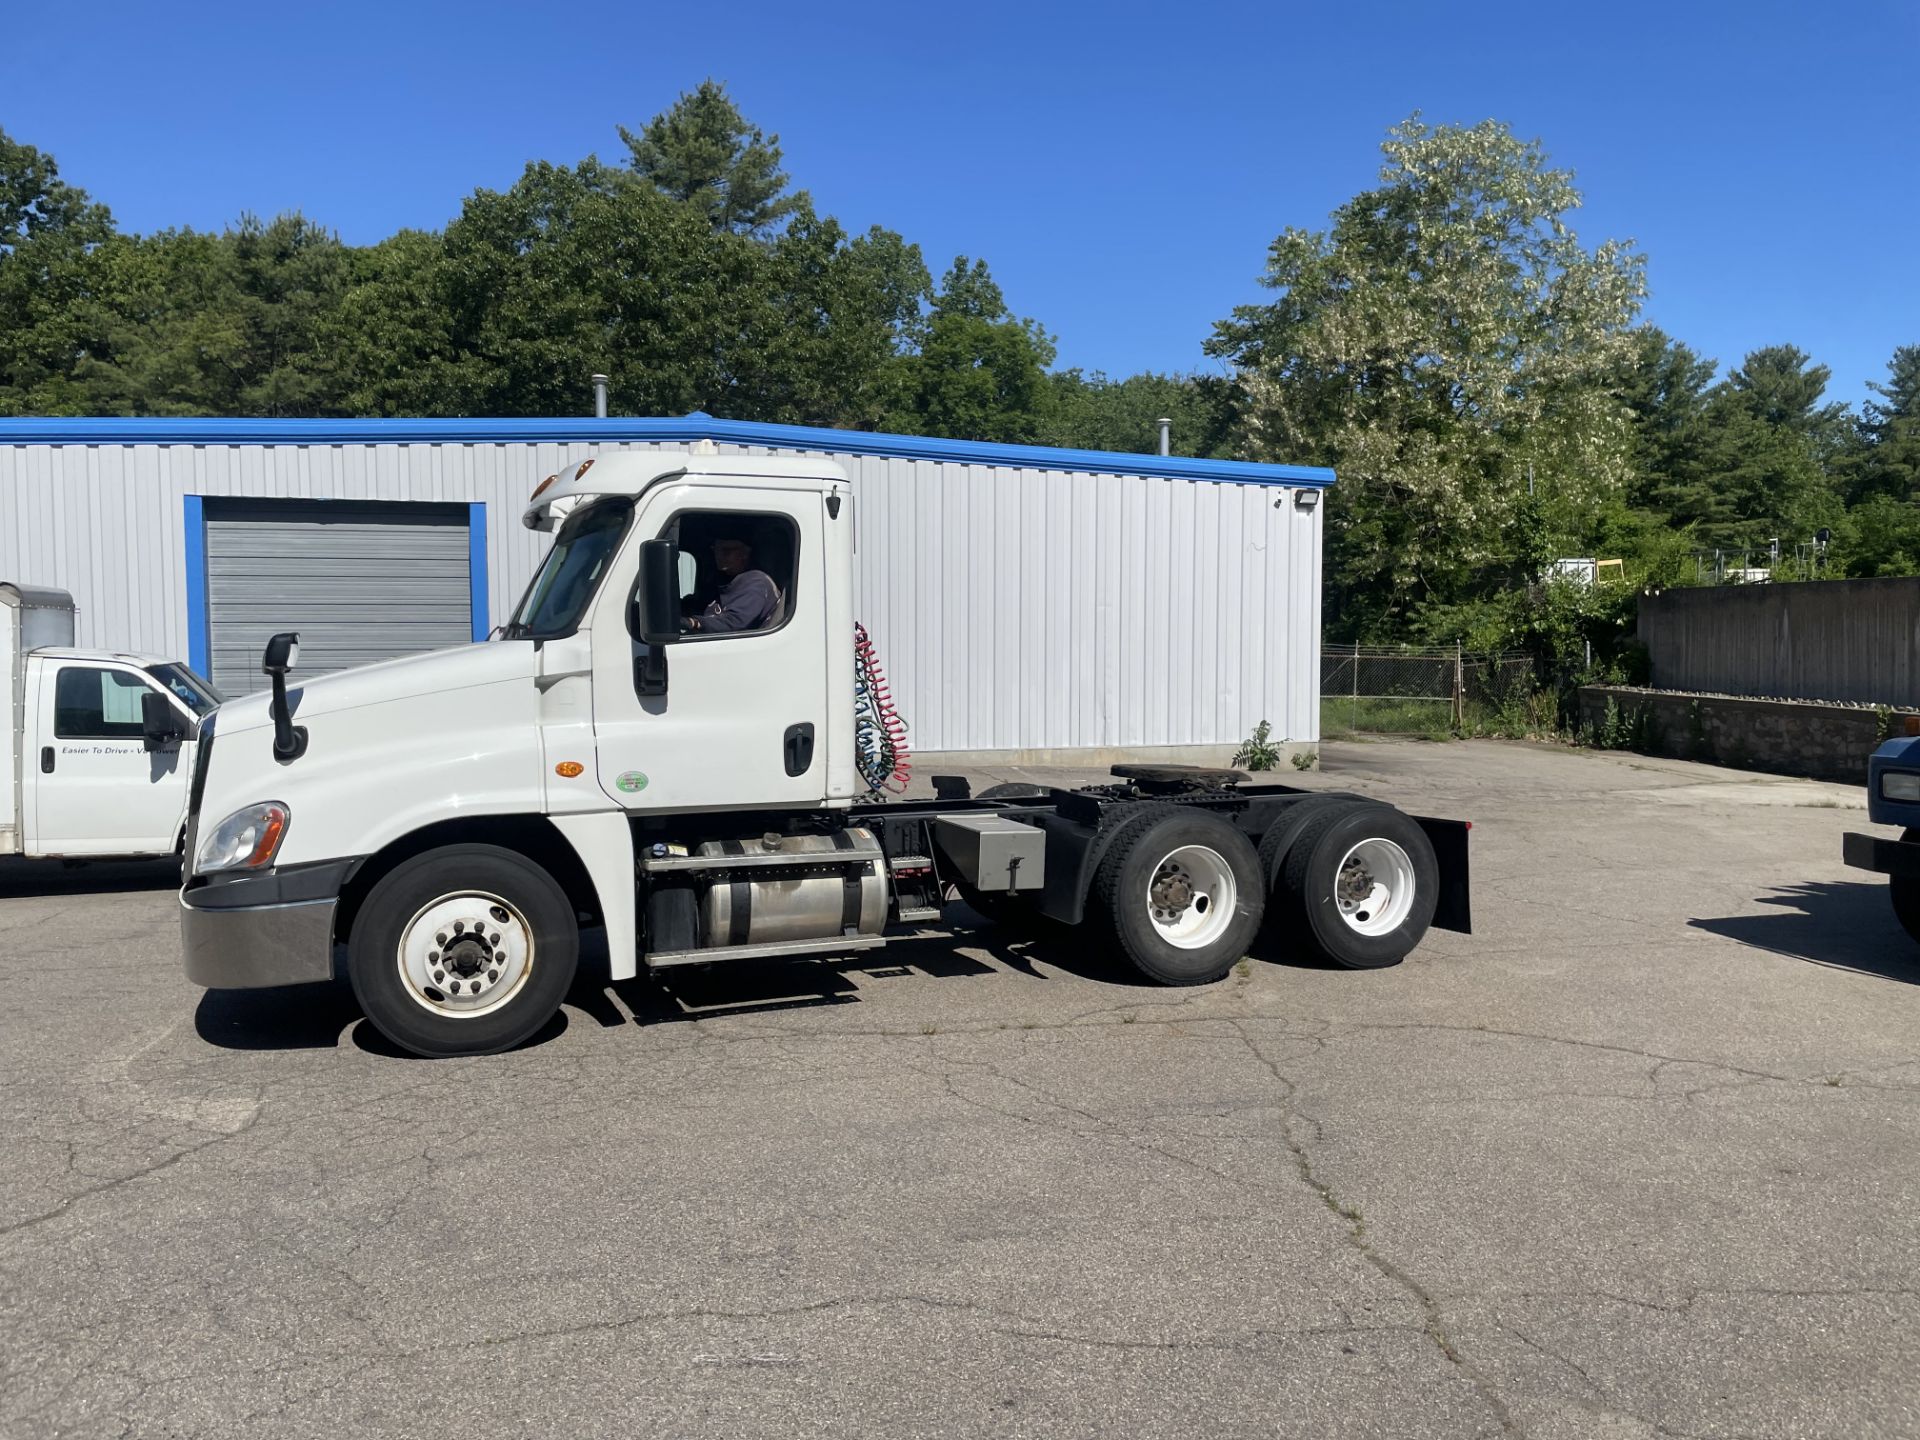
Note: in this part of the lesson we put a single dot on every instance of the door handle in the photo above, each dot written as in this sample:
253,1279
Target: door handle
46,759
799,749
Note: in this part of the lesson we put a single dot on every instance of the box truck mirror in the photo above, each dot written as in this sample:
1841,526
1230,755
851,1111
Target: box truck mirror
160,727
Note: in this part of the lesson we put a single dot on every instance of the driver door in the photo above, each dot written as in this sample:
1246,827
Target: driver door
96,788
742,722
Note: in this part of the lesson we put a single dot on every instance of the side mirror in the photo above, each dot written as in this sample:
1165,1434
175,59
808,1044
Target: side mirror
160,727
289,740
282,651
656,598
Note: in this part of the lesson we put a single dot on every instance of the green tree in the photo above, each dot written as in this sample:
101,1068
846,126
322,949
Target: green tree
980,372
704,153
242,323
1761,468
1888,462
49,323
1451,347
1094,412
841,314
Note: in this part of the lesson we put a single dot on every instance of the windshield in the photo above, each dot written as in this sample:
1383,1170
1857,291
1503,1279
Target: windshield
581,552
196,694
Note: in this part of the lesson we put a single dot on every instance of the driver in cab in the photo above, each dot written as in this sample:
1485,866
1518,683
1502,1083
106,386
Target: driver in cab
748,599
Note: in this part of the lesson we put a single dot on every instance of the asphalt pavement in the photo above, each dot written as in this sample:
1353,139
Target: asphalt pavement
1637,1158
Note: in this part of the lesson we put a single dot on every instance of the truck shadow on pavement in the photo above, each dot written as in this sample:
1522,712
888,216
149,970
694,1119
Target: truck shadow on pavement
1842,924
24,879
325,1016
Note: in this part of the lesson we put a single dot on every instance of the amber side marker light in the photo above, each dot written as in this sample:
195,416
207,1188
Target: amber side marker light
540,489
568,769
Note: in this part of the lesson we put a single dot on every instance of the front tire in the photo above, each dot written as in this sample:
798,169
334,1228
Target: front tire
1363,882
1184,896
1905,894
466,950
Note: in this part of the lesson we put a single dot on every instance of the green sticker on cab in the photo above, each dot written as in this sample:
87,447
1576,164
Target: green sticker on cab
631,781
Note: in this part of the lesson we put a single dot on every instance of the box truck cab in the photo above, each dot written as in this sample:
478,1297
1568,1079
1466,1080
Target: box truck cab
98,744
638,750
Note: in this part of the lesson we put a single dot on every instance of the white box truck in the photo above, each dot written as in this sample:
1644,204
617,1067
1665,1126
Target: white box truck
675,738
97,745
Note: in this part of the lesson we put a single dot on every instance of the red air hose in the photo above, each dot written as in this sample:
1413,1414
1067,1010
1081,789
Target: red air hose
880,735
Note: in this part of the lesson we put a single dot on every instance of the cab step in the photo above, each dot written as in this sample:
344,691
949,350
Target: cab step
771,950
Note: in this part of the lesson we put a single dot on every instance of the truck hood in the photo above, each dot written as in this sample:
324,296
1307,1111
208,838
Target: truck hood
438,672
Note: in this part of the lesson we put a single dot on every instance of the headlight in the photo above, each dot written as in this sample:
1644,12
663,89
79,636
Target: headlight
245,840
1900,785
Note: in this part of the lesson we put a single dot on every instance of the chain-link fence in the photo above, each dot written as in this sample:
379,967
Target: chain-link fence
1382,690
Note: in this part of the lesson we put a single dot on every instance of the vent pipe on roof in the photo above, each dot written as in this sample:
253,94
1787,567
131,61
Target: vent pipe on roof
600,397
1166,434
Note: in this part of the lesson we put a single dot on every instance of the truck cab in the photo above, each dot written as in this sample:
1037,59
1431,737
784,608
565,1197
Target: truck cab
1893,798
99,744
639,749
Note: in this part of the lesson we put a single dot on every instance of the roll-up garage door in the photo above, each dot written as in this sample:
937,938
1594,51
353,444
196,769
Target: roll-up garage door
360,582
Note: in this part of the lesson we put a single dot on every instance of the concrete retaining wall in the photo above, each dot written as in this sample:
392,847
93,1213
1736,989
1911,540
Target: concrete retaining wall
1783,737
1823,640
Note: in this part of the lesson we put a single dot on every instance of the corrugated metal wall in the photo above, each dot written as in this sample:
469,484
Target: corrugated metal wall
1819,640
1014,609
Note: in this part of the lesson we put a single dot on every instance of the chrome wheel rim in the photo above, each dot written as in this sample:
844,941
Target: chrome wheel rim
1373,887
1190,897
465,954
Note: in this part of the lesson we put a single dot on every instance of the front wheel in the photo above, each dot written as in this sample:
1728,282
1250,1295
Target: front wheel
463,951
1904,891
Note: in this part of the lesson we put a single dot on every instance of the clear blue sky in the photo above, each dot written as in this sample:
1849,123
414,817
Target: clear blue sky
1122,168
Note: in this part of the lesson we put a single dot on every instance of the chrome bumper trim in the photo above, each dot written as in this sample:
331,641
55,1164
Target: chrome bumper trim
247,947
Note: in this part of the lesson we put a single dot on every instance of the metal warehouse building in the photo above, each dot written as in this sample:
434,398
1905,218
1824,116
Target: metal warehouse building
1027,602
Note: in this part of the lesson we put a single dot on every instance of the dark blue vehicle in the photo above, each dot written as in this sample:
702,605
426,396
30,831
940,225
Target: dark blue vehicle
1893,798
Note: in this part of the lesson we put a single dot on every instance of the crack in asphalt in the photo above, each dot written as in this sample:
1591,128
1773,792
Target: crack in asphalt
1355,1236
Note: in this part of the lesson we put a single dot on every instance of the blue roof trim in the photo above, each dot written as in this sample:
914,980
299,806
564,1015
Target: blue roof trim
81,430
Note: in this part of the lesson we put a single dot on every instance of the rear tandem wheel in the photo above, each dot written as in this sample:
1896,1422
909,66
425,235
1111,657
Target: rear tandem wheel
1183,894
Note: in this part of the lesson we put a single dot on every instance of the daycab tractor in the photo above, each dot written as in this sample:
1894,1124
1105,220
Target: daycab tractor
1893,798
456,818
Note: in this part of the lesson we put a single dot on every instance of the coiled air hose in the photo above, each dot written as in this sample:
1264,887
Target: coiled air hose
879,734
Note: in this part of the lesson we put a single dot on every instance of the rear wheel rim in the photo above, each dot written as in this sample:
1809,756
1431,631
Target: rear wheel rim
1191,896
1373,887
465,954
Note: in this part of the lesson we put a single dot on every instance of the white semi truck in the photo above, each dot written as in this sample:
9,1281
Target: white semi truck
95,745
455,819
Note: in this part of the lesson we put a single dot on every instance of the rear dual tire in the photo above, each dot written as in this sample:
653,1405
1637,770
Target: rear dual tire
1183,895
1358,885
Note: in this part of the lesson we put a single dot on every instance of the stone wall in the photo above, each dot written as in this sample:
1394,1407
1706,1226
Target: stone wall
1825,741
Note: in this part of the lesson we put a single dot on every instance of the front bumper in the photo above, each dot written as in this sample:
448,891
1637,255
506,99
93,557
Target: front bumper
1899,858
251,931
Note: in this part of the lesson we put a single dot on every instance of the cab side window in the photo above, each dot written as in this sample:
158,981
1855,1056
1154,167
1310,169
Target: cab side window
90,703
737,571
